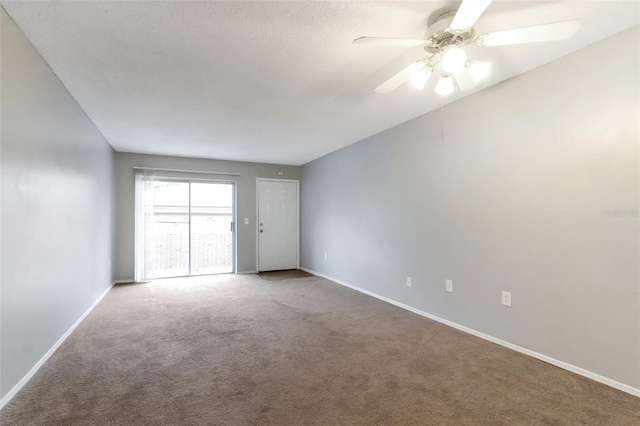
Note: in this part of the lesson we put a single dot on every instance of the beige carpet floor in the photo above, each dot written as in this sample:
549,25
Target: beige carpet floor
284,275
241,350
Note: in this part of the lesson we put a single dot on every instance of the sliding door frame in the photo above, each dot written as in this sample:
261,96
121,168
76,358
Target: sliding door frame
234,213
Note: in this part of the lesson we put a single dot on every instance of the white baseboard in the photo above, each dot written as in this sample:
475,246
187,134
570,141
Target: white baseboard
245,272
566,366
4,401
123,282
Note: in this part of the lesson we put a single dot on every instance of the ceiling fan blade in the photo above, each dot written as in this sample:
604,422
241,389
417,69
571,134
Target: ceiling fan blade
468,13
464,80
545,32
389,41
395,81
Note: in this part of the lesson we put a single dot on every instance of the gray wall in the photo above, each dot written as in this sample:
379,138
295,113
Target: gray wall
245,194
514,199
56,214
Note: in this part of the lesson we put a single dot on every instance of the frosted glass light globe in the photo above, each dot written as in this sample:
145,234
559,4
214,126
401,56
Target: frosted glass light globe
453,61
478,70
445,85
419,75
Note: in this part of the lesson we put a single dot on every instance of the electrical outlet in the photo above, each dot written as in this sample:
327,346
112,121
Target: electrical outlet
246,220
325,255
408,281
448,286
506,298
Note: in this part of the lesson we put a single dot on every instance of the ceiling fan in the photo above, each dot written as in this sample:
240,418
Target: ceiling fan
453,31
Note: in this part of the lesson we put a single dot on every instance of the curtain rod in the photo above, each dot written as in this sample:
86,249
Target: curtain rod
185,171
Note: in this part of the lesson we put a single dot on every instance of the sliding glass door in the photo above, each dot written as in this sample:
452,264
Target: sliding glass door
186,228
211,228
169,248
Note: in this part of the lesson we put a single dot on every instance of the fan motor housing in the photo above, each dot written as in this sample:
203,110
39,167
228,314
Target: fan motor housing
444,36
447,37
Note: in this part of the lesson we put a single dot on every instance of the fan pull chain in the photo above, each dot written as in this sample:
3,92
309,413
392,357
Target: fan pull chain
441,121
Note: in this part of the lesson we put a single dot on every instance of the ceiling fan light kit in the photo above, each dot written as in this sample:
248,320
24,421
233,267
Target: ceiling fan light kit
454,60
477,70
420,74
453,31
445,85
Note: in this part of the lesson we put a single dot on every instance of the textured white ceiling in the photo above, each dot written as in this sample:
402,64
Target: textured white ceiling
275,82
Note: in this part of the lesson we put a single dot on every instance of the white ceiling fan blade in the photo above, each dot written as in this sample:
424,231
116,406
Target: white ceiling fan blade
545,32
468,13
464,80
387,41
395,81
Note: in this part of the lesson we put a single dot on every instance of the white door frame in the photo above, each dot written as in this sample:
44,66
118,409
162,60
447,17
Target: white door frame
297,182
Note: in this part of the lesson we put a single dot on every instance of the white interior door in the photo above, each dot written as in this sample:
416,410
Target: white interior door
277,225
